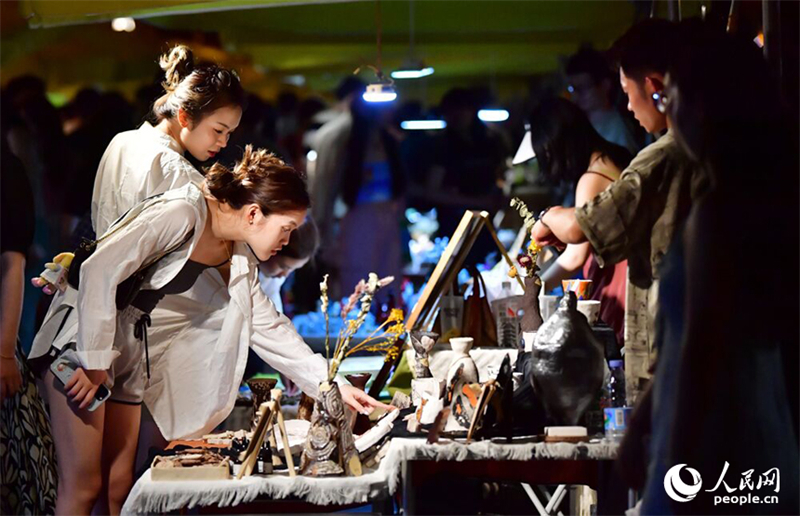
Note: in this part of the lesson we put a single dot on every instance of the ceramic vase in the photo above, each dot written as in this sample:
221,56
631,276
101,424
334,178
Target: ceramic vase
567,363
462,373
330,448
262,393
359,381
532,316
422,342
469,373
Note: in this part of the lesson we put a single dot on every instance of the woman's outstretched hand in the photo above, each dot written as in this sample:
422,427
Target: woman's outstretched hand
360,401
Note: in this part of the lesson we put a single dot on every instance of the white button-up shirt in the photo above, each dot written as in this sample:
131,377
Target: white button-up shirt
136,165
198,341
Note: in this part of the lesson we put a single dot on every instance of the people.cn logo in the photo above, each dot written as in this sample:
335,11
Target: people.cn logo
677,489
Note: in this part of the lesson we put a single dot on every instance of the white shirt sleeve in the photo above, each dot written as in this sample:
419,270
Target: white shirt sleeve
277,342
155,229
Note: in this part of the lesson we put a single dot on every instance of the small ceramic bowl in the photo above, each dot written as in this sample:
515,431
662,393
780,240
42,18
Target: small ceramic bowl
581,287
591,309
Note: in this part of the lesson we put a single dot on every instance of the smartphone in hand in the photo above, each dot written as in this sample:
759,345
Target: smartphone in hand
63,369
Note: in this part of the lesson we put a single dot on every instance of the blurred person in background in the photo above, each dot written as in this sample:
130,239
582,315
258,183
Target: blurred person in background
28,465
570,150
591,86
467,162
373,190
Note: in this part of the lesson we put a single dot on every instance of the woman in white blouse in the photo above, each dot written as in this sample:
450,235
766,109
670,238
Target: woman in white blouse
200,108
241,218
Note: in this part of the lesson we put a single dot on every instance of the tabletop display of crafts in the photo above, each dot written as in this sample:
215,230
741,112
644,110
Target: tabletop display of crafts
330,448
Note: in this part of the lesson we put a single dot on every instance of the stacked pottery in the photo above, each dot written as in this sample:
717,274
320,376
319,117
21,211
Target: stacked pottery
568,363
422,342
330,448
262,393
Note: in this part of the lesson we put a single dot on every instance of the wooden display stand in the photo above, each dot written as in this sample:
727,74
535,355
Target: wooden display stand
268,412
446,271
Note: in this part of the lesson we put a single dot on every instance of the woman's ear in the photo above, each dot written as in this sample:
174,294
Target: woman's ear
183,119
653,84
253,214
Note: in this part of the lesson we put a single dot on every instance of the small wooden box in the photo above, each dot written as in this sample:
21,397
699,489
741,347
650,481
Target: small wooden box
221,471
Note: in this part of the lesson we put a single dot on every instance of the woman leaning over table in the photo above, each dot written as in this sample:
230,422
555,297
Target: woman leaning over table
238,217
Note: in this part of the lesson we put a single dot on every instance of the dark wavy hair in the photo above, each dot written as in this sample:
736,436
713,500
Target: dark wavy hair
564,141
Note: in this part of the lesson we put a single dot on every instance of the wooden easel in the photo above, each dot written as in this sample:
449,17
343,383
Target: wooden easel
443,275
268,412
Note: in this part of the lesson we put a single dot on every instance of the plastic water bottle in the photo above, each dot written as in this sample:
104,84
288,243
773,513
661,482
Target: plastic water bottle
508,331
616,413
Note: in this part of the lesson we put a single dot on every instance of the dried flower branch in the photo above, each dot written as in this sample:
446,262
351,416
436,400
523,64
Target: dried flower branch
365,291
529,260
323,289
383,339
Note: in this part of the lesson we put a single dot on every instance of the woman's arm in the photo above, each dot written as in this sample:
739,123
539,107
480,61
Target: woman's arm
12,268
277,342
559,225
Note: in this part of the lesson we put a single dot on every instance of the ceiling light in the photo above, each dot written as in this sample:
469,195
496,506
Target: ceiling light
379,92
312,155
295,80
423,125
123,24
412,72
493,115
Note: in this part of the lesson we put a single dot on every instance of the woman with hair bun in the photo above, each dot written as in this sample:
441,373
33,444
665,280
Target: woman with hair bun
201,105
237,218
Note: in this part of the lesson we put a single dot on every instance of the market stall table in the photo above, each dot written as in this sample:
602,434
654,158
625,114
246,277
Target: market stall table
407,463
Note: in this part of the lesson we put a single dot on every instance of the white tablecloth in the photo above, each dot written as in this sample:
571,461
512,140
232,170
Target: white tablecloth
442,356
159,497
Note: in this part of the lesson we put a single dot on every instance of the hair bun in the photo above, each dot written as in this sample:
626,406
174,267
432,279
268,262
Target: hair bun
257,164
177,64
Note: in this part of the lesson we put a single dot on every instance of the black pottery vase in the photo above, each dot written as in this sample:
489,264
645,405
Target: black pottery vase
532,316
568,363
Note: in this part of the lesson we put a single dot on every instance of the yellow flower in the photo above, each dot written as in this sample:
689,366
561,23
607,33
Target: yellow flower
533,249
396,315
512,272
391,354
397,329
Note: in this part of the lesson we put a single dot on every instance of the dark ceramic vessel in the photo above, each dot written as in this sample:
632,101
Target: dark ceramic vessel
532,316
568,363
